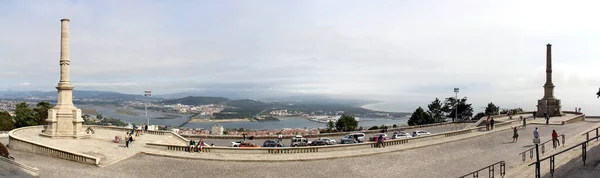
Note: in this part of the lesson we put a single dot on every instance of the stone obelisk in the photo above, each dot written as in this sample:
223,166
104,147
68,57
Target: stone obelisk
549,104
64,120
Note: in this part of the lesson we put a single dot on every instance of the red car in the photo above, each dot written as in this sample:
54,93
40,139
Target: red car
248,145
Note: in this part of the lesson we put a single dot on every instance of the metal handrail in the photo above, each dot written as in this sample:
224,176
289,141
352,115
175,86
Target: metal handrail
490,170
530,150
551,157
587,134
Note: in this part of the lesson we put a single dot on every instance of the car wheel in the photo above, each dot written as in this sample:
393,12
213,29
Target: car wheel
235,146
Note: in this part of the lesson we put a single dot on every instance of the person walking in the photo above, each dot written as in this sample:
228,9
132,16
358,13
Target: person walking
492,123
536,134
579,111
487,123
131,141
555,141
515,135
524,122
127,140
534,114
547,118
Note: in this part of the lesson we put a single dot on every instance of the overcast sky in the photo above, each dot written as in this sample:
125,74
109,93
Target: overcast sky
396,51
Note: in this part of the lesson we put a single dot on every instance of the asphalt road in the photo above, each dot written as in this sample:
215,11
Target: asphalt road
287,142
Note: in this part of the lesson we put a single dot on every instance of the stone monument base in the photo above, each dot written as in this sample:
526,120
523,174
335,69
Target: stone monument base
551,106
70,136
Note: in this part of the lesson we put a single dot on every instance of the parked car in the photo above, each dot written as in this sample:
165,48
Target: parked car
376,136
420,133
298,140
272,143
353,138
399,135
248,145
318,143
328,141
236,143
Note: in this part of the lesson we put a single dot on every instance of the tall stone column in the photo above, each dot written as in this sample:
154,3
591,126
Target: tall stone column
549,86
64,119
549,104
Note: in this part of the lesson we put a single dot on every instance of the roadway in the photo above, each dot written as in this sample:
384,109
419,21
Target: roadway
287,142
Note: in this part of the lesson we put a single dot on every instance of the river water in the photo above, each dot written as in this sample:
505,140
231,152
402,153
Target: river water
289,122
109,111
294,122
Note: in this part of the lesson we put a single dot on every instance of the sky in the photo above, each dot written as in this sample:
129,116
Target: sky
397,51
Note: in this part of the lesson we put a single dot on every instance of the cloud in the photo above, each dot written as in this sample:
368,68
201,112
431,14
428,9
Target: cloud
409,51
25,84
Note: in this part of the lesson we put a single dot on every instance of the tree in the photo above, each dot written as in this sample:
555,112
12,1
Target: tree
99,116
435,111
420,117
451,106
24,116
492,109
41,112
6,121
346,123
374,127
330,125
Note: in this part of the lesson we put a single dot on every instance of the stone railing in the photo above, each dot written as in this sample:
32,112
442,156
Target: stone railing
575,119
21,144
315,149
123,129
199,136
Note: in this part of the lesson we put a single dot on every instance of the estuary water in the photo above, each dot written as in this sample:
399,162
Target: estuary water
288,122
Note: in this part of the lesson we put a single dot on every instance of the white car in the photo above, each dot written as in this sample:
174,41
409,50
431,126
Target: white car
420,133
328,141
401,135
236,143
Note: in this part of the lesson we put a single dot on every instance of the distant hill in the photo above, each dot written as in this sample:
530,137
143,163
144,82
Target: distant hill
197,100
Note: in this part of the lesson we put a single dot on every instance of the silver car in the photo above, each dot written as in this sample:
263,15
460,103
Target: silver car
353,138
401,135
328,141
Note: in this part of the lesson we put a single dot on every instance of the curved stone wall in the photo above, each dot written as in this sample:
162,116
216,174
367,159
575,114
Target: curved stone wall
17,143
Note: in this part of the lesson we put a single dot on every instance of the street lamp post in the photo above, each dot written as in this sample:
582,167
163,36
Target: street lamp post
147,93
456,104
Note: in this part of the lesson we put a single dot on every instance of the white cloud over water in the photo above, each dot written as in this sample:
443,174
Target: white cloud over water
397,51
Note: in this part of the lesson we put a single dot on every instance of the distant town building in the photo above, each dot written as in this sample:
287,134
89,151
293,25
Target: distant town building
217,130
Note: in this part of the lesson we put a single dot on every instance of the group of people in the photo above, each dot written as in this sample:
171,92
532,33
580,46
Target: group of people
577,110
197,145
129,136
536,135
128,139
489,125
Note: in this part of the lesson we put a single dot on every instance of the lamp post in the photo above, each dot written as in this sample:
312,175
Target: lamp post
147,93
456,104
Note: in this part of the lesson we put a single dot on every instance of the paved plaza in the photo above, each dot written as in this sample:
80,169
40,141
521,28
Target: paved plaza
100,144
449,159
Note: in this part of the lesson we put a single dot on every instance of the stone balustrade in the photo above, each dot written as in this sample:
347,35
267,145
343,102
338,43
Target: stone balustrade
316,149
21,144
200,136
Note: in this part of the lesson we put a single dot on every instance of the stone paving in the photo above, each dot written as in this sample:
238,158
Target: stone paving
442,160
100,144
450,159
